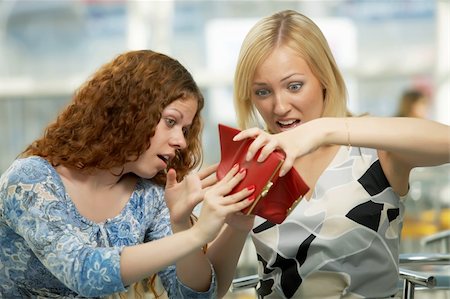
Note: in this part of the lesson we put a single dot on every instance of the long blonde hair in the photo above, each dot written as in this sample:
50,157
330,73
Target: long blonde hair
301,34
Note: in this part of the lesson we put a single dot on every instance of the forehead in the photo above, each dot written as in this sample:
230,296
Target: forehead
282,60
187,105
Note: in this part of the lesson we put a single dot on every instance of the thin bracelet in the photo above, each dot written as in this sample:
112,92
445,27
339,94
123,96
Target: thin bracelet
349,145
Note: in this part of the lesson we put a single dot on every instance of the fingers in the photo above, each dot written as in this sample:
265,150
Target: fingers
267,149
249,133
231,180
239,196
171,178
206,177
262,140
287,165
207,171
230,174
239,205
209,181
227,183
236,202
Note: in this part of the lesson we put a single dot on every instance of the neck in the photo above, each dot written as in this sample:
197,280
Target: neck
99,179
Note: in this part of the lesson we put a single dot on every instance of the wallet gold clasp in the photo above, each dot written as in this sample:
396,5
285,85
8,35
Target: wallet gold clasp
266,189
294,204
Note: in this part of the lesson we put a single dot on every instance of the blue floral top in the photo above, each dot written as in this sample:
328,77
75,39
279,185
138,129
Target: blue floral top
48,249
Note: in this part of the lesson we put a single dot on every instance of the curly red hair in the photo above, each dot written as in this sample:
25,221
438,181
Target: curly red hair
114,114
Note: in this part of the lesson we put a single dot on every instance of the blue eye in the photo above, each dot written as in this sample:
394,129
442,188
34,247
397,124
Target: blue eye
262,92
295,86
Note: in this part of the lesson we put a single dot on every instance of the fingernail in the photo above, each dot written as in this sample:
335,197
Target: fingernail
236,165
251,198
243,170
282,172
251,188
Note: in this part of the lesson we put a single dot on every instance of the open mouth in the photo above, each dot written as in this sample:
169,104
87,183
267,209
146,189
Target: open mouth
164,158
288,124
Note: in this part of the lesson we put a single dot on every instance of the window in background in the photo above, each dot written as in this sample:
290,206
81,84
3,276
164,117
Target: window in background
49,47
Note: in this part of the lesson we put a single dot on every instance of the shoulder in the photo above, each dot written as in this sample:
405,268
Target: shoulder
150,194
149,188
150,206
28,170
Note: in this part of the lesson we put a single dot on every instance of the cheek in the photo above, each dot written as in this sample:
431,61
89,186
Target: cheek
144,157
314,104
264,108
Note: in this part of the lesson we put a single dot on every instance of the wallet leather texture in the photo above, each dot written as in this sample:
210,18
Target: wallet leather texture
275,197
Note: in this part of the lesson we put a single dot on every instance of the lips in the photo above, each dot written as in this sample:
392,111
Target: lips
288,124
164,158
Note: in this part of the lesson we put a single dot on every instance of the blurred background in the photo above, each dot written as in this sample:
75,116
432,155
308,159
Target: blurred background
384,49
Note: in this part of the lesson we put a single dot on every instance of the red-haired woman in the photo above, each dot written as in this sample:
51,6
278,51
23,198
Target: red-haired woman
84,211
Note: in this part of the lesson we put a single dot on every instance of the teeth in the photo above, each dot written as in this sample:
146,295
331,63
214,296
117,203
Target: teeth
286,122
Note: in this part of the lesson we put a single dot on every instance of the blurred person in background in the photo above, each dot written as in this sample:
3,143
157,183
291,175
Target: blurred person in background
342,239
413,103
87,209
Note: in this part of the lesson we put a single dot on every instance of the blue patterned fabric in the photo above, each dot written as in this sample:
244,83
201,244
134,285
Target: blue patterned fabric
342,243
48,249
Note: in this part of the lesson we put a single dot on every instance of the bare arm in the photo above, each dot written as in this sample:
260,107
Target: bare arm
413,142
195,270
140,261
402,143
224,252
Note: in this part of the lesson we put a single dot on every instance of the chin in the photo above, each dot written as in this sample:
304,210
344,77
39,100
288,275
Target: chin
147,175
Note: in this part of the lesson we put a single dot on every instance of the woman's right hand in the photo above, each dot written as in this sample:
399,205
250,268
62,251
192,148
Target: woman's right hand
218,204
294,143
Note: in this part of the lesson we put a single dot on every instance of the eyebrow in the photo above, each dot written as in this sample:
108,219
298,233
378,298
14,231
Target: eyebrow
181,115
282,79
175,109
289,76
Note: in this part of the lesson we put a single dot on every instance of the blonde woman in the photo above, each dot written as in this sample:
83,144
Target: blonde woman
342,240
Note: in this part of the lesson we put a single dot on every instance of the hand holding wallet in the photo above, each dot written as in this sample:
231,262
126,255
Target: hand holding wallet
275,196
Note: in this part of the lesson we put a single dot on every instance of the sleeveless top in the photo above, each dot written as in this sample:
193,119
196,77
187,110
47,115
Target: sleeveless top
341,243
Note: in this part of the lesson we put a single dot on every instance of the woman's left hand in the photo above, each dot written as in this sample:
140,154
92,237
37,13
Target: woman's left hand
182,197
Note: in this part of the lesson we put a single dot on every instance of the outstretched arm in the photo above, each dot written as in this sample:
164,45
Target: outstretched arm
413,142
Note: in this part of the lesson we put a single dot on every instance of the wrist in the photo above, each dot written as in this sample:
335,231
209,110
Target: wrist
180,225
333,131
198,235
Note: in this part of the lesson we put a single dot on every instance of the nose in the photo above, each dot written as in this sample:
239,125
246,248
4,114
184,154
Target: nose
280,106
178,140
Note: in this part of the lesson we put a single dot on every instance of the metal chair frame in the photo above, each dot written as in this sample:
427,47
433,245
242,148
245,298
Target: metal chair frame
411,278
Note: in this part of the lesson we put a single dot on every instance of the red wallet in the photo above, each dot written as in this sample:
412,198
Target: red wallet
275,196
